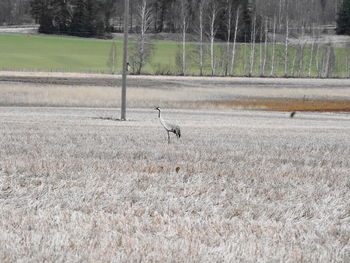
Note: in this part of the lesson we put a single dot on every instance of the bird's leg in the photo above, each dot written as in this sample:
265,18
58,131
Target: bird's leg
168,137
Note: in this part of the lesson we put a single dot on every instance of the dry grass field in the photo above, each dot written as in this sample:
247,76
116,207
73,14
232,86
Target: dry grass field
239,186
287,104
94,90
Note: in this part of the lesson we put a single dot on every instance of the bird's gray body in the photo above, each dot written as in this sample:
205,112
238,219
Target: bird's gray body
169,127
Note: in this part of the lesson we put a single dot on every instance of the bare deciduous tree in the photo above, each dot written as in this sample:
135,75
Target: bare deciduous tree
301,57
318,60
265,47
312,50
112,57
184,27
328,61
252,45
286,49
201,8
273,47
228,27
213,12
234,41
142,52
347,66
260,50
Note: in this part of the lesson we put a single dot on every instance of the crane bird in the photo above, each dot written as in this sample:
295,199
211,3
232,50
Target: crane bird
169,127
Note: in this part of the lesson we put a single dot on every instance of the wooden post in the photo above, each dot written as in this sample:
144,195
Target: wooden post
125,60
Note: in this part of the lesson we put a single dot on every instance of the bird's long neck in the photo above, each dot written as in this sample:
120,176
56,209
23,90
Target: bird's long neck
158,113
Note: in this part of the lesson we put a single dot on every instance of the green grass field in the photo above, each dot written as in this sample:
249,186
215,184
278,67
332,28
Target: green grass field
61,53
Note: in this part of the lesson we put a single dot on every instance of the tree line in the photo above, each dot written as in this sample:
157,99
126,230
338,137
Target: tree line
85,18
266,26
99,18
15,12
235,21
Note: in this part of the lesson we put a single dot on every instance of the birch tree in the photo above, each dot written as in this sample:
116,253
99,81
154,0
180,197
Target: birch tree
273,47
301,58
234,41
347,66
265,47
312,50
201,8
328,61
260,50
252,45
144,18
318,60
228,26
184,27
213,12
112,57
286,49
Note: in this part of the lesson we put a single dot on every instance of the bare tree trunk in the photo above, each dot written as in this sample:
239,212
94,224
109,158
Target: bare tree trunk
273,47
184,48
311,57
317,60
212,63
347,66
301,60
245,63
286,50
201,29
312,50
114,56
252,46
184,29
260,51
234,42
294,60
144,18
229,18
142,36
213,12
265,48
329,61
327,64
322,69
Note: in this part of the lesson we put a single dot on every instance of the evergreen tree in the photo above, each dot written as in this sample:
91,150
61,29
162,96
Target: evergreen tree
245,24
62,17
81,25
85,18
343,21
42,12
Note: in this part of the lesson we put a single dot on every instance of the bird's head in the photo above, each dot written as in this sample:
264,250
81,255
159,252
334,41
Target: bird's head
157,108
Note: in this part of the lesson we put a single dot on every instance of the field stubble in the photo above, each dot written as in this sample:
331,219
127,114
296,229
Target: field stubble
244,186
99,90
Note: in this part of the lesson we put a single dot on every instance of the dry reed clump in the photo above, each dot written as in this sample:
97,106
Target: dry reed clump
238,186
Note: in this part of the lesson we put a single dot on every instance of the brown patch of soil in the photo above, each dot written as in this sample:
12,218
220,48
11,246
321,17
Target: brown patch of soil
286,104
